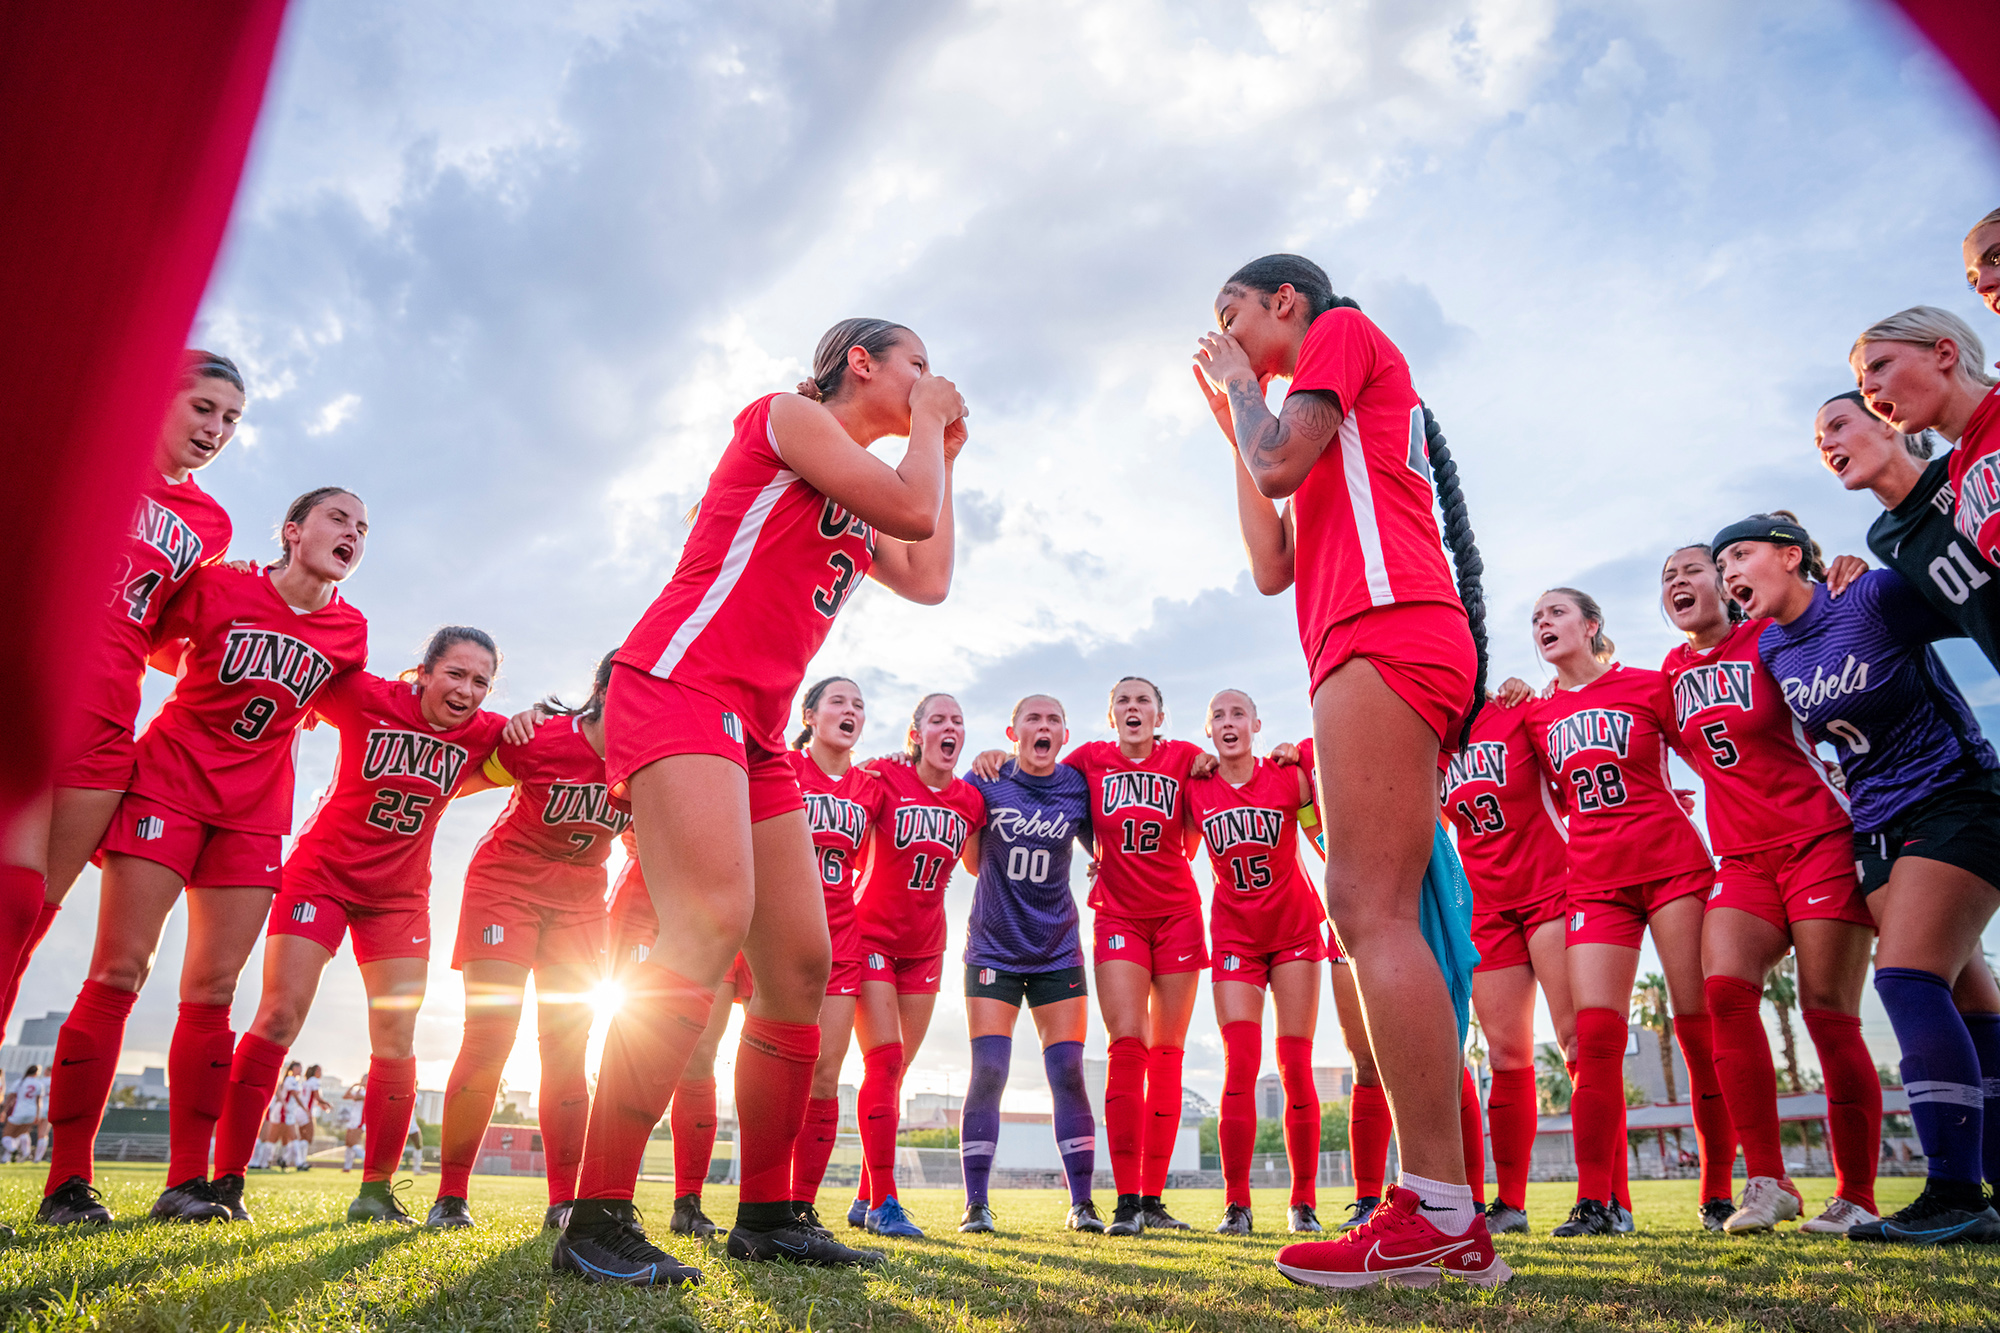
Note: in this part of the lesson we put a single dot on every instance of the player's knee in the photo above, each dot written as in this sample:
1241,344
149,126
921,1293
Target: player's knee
280,1020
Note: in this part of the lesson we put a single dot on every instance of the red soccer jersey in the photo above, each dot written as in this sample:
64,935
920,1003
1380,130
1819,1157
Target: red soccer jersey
550,844
370,835
1138,815
768,566
1975,478
1764,784
918,837
840,812
1366,534
1606,747
1511,837
1262,894
221,746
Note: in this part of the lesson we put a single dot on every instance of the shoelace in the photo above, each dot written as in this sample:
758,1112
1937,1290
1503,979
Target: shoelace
892,1211
628,1242
1356,1208
810,1217
1926,1206
396,1194
1308,1215
77,1191
1088,1208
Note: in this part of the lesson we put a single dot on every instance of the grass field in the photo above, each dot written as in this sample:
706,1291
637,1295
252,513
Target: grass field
300,1266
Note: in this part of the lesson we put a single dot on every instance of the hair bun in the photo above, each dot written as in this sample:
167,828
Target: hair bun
810,389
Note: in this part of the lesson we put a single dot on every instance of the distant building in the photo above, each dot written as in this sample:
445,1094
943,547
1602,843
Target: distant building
36,1047
522,1100
1330,1083
430,1106
850,1119
932,1110
149,1083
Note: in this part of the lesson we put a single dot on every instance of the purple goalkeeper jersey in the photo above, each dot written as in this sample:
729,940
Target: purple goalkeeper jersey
1858,672
1023,914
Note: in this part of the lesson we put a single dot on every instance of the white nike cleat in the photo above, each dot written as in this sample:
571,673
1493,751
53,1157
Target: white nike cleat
1837,1218
1767,1201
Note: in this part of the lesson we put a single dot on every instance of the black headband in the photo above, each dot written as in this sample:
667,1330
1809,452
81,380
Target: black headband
1776,531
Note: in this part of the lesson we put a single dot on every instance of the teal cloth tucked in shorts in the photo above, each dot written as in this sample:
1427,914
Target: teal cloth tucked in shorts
1444,914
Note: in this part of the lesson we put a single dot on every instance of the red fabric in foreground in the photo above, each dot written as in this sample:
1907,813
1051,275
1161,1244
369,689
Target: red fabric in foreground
1963,33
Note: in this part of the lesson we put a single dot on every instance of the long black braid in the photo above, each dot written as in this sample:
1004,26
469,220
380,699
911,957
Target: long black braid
1465,558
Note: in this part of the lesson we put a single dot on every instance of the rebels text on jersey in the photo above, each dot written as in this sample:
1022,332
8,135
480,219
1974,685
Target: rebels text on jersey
1138,815
917,839
768,566
1511,838
1366,533
839,812
1024,916
1262,894
1975,477
1605,746
1919,540
550,844
1763,784
1859,673
220,748
370,835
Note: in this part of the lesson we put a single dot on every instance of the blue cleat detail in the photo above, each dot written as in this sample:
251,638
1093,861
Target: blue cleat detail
891,1220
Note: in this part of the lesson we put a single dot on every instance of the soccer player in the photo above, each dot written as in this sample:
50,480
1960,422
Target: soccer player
1858,673
535,903
28,1116
362,866
176,529
1781,828
1021,945
353,1109
1397,661
210,802
1268,928
928,814
796,512
1636,863
1981,251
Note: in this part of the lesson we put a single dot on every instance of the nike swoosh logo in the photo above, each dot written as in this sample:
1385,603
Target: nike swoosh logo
929,980
418,939
791,1249
269,869
1074,984
218,1064
1300,953
1430,1256
86,1060
1184,957
1822,898
876,1115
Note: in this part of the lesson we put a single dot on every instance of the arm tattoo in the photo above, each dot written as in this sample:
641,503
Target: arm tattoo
1310,415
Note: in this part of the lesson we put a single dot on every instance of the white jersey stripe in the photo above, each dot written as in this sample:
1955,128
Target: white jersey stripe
1361,495
1555,815
734,562
1817,764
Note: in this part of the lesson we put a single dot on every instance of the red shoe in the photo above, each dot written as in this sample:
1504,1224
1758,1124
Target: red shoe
1397,1245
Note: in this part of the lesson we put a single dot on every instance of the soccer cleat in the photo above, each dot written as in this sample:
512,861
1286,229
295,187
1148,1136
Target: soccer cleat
450,1213
189,1201
857,1213
690,1220
556,1218
1621,1219
1399,1246
605,1243
1767,1201
1587,1218
1836,1218
891,1220
1360,1210
228,1191
1502,1218
75,1202
809,1219
1716,1212
1300,1217
1083,1217
1128,1218
377,1202
1235,1221
1934,1219
978,1219
799,1245
1157,1216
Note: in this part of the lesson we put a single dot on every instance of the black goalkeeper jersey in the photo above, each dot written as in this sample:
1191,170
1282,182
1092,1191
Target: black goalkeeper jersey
1917,539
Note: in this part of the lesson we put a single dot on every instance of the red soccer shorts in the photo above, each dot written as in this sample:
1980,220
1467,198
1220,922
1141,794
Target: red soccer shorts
1616,913
739,976
1163,945
393,931
648,719
1236,960
204,856
1801,881
910,976
105,755
1501,936
845,979
529,934
1423,652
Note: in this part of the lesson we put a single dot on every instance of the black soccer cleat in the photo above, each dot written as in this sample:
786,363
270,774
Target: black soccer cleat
189,1201
978,1219
1935,1218
556,1218
809,1219
449,1213
1128,1218
1502,1218
690,1220
1083,1217
75,1202
228,1191
605,1243
1360,1211
1301,1217
1157,1216
1714,1212
377,1202
1587,1218
797,1244
1235,1221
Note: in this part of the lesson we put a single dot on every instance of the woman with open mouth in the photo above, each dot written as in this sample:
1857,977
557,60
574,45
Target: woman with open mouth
207,812
1780,826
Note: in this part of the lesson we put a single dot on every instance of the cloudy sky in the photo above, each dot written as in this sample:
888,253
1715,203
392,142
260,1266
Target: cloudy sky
510,272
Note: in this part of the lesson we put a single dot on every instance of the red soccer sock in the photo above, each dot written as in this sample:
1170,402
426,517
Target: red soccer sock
876,1106
39,933
1236,1122
1853,1102
1369,1129
24,919
1510,1115
385,1115
1125,1112
1714,1132
253,1076
813,1148
198,1064
1597,1107
469,1094
1163,1116
1472,1137
1302,1119
774,1066
1743,1068
564,1093
693,1121
86,1061
647,1049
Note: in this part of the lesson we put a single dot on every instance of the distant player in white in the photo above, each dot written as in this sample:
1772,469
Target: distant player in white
27,1118
349,1118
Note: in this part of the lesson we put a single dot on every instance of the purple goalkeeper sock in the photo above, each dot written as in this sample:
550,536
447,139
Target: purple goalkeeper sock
1075,1126
1940,1071
979,1123
1985,1030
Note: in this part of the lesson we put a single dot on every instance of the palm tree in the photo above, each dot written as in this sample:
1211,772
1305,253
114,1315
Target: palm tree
1552,1085
1783,994
1651,1010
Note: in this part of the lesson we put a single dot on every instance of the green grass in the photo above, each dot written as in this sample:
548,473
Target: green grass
300,1266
